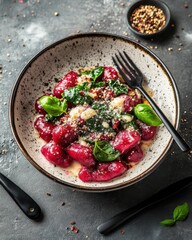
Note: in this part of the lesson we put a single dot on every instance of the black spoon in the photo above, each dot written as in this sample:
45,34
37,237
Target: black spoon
120,218
23,200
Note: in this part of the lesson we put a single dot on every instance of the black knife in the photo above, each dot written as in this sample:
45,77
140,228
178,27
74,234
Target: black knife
120,218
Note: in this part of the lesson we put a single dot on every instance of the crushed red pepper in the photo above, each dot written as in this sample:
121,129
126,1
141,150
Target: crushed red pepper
148,19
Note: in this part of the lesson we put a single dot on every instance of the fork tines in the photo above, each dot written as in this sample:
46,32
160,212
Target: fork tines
125,66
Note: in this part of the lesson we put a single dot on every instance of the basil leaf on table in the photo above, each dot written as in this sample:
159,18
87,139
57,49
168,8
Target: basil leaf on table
181,212
104,152
78,94
95,73
168,222
117,87
146,114
53,106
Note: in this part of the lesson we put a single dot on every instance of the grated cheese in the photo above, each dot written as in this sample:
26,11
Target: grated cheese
88,113
117,103
76,112
127,118
105,124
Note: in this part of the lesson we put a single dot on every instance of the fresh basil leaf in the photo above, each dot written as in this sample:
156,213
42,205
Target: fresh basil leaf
53,105
181,212
117,87
104,152
168,222
146,114
78,94
95,73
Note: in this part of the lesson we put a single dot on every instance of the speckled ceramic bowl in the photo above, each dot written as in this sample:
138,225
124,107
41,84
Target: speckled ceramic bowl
79,51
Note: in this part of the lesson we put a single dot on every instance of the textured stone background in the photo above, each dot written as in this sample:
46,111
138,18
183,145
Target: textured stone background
26,28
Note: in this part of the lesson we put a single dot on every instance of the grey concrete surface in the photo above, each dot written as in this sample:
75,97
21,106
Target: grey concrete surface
26,28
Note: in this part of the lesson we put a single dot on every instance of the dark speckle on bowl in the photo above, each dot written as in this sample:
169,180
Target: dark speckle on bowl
159,5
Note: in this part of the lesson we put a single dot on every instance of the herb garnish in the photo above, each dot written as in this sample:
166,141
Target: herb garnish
78,94
94,74
180,213
117,87
146,114
104,151
53,106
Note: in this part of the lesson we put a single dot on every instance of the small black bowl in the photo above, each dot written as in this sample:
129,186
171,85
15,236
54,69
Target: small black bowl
158,4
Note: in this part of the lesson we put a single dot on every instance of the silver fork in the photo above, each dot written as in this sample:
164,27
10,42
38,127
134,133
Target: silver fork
134,78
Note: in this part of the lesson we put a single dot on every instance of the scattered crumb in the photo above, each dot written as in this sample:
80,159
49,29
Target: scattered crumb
73,223
74,229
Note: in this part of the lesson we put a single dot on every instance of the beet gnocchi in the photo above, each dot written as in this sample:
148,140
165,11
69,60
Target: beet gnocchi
94,118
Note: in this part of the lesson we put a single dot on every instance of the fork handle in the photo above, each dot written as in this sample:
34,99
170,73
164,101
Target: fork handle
176,136
23,200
